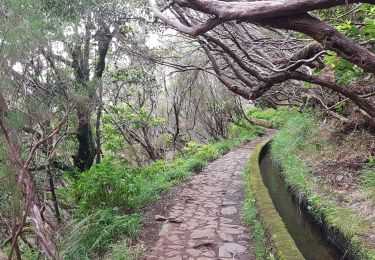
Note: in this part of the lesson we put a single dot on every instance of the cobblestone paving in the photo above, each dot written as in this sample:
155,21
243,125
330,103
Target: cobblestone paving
206,222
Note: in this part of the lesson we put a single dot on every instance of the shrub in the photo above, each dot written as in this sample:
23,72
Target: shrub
175,174
206,153
244,131
225,146
191,148
106,185
193,165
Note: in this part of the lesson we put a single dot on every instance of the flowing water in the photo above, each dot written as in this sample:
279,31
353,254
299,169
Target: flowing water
307,234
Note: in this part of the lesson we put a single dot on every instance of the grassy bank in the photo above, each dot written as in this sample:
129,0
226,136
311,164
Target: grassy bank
302,136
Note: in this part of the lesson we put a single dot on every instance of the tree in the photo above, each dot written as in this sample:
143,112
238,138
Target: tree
223,29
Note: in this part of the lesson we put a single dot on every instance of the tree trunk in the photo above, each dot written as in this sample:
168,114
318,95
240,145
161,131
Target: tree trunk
98,120
27,185
85,156
53,195
44,234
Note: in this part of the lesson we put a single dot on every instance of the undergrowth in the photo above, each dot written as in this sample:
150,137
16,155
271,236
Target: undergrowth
276,118
92,235
301,135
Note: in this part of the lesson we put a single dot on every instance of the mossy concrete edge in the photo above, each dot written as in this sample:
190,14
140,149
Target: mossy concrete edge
281,241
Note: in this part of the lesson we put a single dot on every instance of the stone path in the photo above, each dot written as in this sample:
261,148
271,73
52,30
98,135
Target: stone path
206,222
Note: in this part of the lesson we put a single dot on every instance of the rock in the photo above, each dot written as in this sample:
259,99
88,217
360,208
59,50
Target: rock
172,253
226,237
176,247
226,220
203,233
339,178
175,220
209,253
228,210
193,252
228,203
175,258
231,250
204,243
160,218
174,239
232,231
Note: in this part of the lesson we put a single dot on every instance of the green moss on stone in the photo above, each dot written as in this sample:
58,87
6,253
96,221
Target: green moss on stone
281,241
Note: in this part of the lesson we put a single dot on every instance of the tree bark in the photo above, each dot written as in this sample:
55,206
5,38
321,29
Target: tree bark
26,182
98,122
256,10
86,152
53,195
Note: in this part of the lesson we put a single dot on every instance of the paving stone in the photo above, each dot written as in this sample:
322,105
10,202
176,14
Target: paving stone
173,253
225,237
160,218
203,233
205,223
172,258
175,220
228,210
231,250
209,253
193,252
231,231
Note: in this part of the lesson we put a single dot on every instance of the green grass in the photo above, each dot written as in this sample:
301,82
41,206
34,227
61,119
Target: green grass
276,118
121,251
368,180
300,135
94,234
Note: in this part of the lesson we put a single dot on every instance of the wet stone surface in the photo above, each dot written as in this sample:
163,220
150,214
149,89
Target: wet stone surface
209,211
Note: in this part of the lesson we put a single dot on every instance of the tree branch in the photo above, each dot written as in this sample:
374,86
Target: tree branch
192,31
259,10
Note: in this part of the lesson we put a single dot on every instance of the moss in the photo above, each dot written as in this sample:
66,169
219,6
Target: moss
281,241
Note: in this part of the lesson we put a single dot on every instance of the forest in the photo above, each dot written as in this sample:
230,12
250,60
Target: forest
138,129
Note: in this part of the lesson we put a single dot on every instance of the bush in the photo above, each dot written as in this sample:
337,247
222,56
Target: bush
177,174
191,148
207,153
106,185
194,165
225,146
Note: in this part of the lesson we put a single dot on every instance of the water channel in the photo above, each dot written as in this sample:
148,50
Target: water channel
309,237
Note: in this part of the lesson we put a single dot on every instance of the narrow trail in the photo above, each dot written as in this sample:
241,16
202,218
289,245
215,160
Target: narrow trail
206,221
